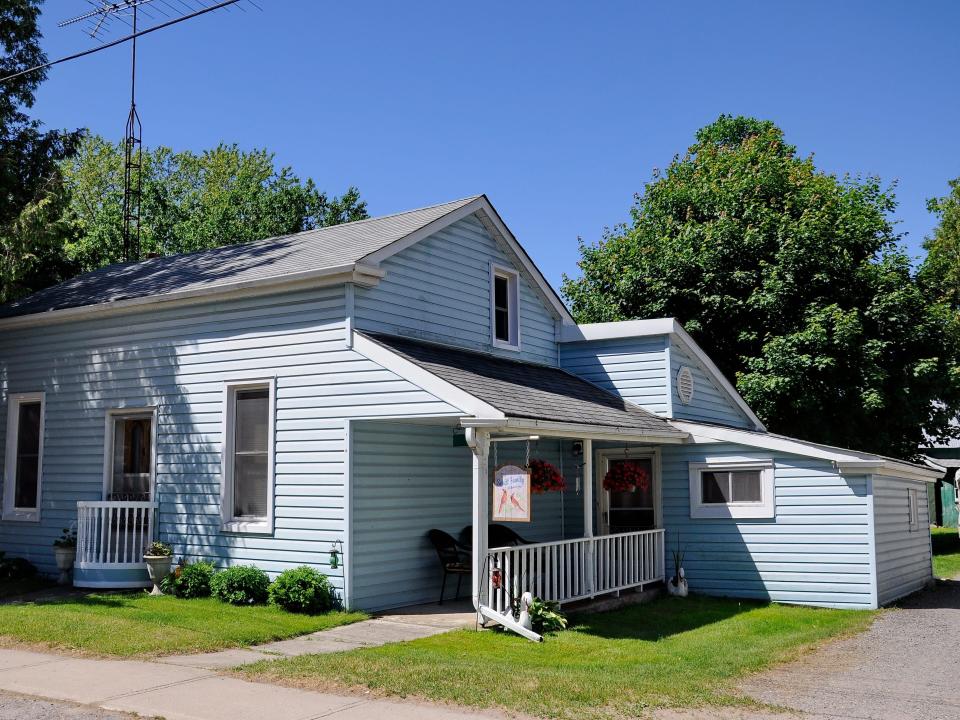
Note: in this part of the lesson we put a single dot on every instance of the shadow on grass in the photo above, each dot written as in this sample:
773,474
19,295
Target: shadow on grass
661,618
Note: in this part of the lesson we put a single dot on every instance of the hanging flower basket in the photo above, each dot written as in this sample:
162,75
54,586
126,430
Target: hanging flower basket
625,476
545,478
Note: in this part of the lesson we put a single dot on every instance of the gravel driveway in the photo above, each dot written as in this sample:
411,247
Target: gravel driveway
17,707
906,667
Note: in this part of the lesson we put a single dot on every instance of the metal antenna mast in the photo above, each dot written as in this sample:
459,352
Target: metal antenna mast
98,21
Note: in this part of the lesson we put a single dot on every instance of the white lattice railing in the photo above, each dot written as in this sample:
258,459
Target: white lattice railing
571,570
113,533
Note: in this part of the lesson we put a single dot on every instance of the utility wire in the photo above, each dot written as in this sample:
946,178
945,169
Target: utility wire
118,41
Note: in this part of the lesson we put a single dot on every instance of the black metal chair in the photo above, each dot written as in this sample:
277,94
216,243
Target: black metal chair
497,536
454,560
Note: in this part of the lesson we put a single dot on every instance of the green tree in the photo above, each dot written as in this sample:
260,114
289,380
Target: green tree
190,201
940,272
30,182
795,283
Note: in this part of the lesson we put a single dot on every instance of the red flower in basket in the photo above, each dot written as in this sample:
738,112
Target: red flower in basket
626,475
545,478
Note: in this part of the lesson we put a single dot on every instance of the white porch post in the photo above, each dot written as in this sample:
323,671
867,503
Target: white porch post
588,488
591,557
479,442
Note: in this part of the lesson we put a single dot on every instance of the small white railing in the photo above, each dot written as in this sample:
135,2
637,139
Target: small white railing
113,533
571,570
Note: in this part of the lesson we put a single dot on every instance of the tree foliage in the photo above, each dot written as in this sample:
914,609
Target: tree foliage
30,182
940,272
190,201
795,283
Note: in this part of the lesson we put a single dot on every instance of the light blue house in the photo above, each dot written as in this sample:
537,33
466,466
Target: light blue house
350,388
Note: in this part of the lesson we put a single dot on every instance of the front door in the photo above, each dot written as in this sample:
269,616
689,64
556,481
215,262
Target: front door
130,469
623,510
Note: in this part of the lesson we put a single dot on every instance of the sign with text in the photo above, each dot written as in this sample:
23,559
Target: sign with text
511,494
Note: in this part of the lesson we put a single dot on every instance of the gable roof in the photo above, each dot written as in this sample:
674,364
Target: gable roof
525,390
339,253
661,326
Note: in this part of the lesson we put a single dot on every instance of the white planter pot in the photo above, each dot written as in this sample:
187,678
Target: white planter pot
158,567
65,557
680,589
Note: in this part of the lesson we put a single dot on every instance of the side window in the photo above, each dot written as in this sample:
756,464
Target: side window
504,310
913,509
130,470
732,489
24,457
248,458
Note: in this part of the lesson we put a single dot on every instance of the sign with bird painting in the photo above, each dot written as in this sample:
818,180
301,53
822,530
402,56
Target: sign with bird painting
511,494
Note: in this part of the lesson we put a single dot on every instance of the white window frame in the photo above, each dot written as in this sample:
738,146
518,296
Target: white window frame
913,509
513,306
765,508
230,523
10,458
113,414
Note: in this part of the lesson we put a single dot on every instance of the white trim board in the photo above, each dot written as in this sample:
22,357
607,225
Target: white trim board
848,462
659,326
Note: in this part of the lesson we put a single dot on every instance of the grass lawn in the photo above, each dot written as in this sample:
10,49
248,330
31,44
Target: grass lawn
128,624
946,552
670,653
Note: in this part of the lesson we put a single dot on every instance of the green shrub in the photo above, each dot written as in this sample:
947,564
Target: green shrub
546,617
16,568
189,580
240,585
302,590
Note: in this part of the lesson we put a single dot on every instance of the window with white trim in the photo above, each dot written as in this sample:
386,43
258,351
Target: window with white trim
504,313
913,509
248,457
731,488
130,463
24,457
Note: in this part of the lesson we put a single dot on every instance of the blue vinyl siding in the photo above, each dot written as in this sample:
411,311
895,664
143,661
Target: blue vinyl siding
439,290
178,360
408,478
633,368
710,403
816,550
904,561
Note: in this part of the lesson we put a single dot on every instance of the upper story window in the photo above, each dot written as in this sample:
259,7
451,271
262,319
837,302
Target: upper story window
504,311
24,457
248,457
731,488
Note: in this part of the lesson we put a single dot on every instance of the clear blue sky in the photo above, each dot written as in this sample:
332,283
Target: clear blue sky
558,111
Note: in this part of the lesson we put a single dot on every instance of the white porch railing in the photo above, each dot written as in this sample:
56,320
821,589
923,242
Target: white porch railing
113,534
571,570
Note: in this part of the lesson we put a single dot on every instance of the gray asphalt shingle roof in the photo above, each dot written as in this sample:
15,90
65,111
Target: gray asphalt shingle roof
526,390
312,250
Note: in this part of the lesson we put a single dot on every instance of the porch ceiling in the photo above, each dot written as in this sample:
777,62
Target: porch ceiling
528,391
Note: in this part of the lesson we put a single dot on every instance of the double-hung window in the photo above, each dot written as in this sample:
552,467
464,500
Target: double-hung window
504,313
731,488
24,457
248,457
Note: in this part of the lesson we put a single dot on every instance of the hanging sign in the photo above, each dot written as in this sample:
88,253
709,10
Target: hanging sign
511,494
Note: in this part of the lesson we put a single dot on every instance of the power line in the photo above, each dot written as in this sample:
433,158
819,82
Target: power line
118,41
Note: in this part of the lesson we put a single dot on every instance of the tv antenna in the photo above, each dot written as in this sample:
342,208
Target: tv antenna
102,19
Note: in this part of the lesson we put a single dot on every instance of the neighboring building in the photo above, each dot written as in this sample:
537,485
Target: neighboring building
944,495
272,402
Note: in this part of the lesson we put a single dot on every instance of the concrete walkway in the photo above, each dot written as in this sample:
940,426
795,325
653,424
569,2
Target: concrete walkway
410,623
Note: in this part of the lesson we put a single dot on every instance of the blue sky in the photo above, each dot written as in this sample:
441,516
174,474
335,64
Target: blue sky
558,111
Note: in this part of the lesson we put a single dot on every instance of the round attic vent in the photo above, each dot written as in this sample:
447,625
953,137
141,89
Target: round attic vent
685,385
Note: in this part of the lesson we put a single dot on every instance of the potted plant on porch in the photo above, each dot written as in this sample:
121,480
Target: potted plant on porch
159,559
677,585
65,553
